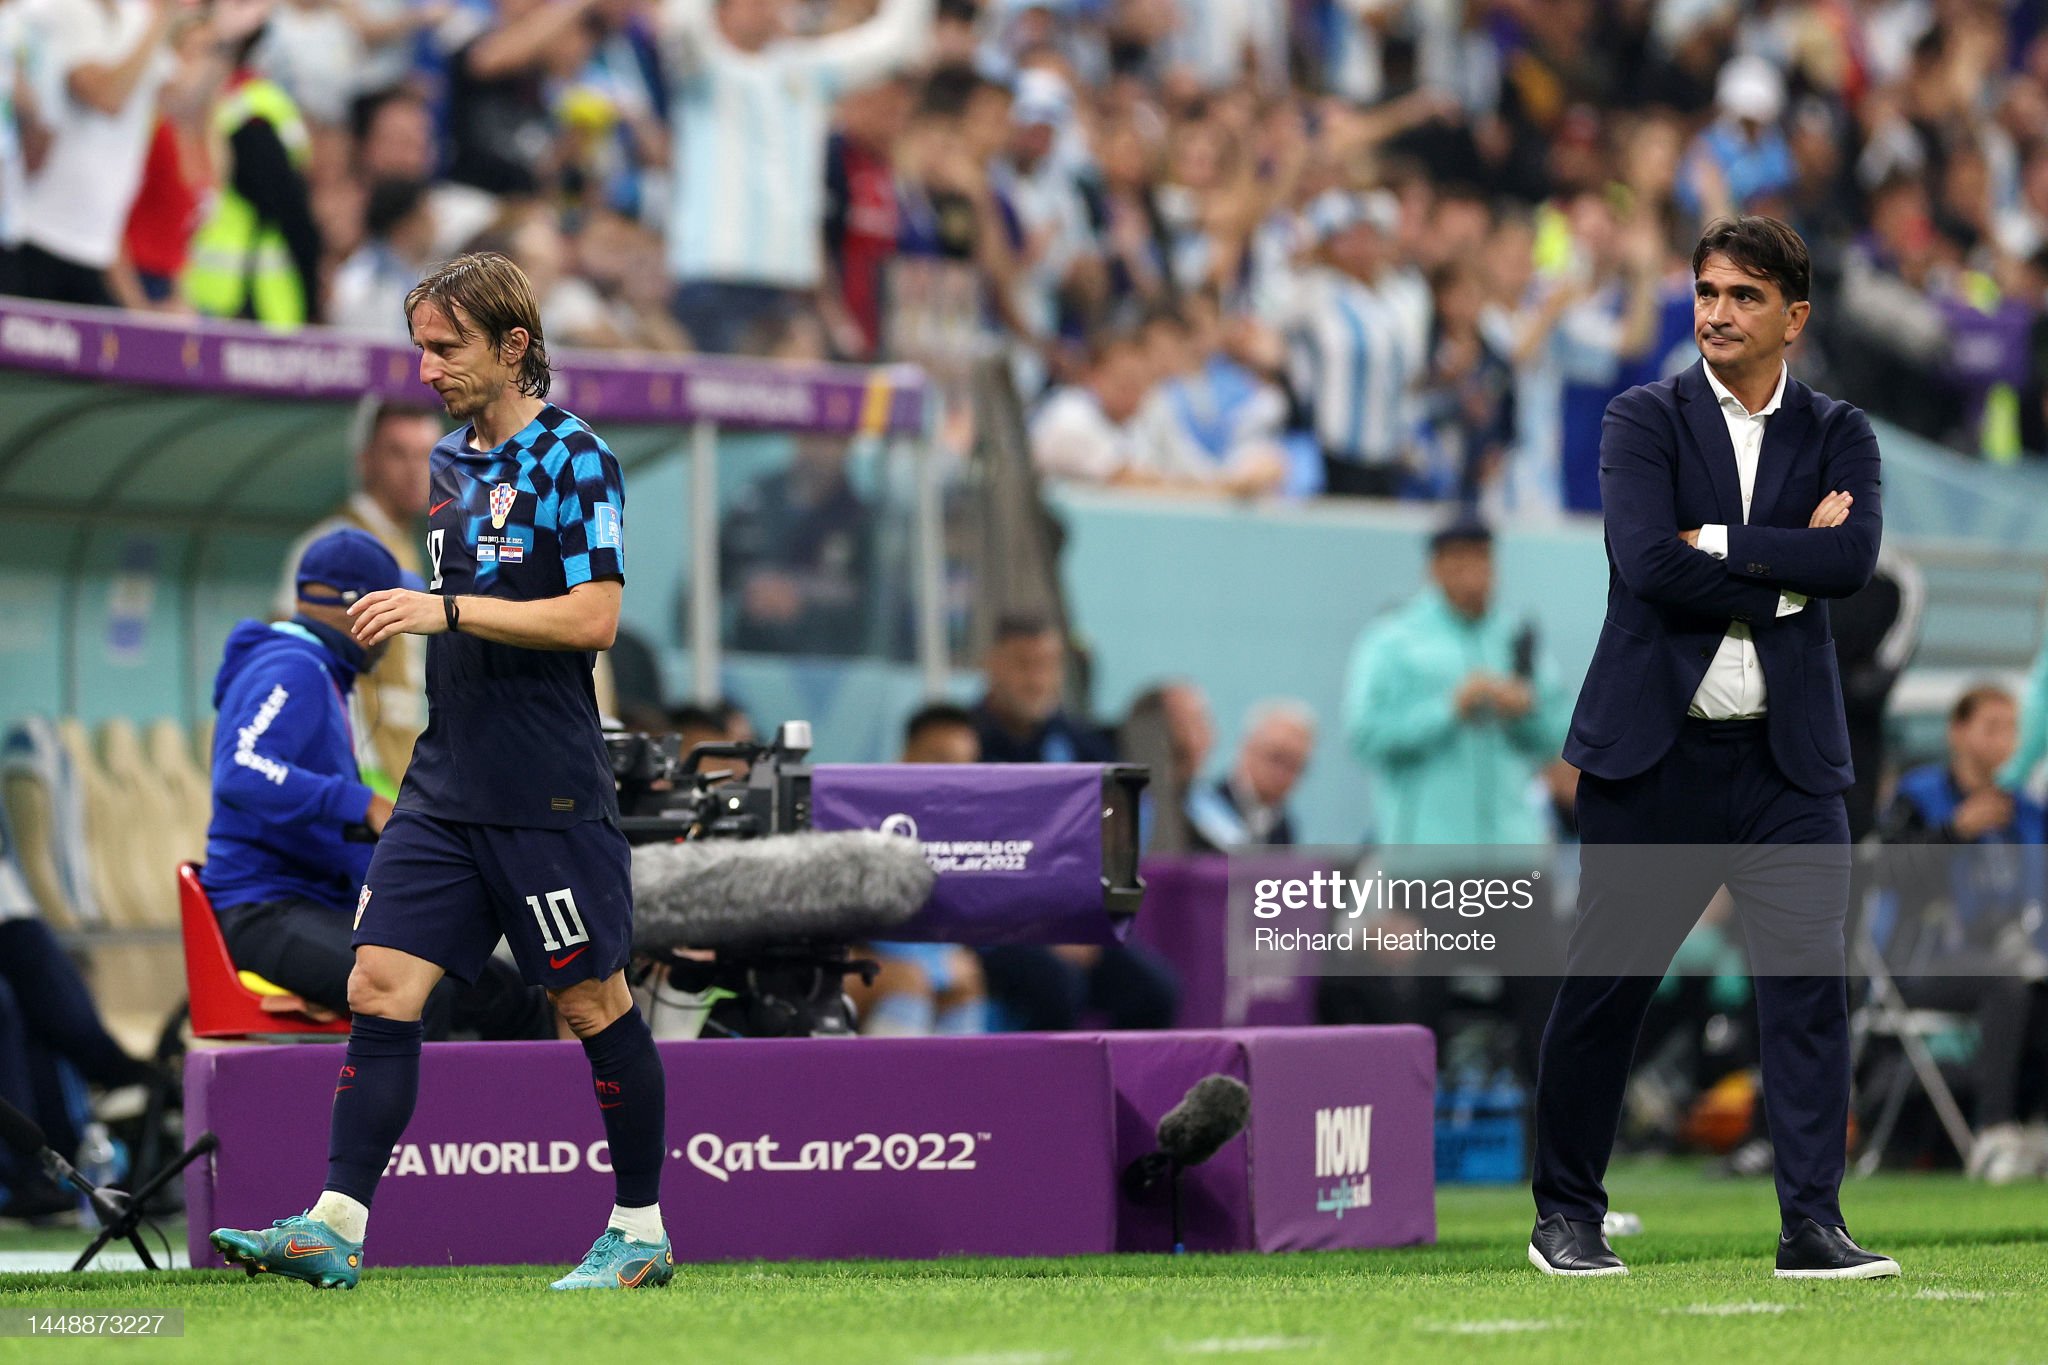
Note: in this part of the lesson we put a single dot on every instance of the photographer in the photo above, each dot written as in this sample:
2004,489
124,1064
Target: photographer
281,868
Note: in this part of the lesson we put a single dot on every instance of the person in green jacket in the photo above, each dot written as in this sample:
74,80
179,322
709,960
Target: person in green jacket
1449,708
1453,713
2033,743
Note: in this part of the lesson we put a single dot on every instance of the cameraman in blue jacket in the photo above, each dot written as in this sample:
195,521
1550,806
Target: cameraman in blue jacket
293,822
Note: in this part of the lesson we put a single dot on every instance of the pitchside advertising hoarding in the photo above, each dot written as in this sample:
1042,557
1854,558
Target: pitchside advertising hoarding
818,1148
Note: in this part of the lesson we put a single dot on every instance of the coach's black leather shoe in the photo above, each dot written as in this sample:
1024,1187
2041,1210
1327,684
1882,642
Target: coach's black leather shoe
1559,1246
1815,1251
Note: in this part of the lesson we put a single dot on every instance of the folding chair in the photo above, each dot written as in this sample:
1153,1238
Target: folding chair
1885,1014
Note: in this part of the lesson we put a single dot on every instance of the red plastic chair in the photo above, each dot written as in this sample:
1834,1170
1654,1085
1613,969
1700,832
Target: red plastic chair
227,1003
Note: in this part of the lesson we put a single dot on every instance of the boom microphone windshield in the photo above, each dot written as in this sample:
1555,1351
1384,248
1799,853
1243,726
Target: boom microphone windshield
1213,1113
716,893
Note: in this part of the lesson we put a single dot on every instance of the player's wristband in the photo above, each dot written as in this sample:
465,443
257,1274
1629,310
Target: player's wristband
453,612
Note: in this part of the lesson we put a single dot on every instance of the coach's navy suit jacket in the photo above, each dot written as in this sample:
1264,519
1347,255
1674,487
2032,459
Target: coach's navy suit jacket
1666,465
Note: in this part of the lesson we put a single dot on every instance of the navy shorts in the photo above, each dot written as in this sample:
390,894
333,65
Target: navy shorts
444,890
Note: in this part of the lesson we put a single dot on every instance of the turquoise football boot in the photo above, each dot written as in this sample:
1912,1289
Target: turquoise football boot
618,1262
299,1248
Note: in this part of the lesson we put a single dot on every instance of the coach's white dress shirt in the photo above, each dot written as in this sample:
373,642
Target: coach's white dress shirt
1734,685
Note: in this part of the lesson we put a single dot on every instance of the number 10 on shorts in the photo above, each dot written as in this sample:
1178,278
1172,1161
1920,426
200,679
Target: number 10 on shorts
568,925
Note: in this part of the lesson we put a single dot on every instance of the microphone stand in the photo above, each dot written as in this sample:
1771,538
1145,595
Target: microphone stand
121,1215
1180,1246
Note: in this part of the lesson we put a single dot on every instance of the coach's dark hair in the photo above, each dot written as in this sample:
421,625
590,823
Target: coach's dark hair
1976,699
1022,625
933,716
494,294
1762,246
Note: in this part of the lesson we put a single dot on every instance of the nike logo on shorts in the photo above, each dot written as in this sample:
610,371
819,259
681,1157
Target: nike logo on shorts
560,962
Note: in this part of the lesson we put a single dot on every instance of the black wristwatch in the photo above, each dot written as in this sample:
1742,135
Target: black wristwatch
453,612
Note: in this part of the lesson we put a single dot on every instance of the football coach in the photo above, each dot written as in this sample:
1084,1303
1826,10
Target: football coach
1737,501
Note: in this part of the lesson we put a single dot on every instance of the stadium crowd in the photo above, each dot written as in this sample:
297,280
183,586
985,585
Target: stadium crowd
1392,247
1389,248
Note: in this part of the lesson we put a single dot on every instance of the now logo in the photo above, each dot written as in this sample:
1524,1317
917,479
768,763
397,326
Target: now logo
1343,1141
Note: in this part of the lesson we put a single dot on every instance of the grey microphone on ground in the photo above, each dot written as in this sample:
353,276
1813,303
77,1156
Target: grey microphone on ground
1214,1112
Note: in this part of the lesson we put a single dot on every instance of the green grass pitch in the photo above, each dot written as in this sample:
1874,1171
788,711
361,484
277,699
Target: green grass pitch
1975,1289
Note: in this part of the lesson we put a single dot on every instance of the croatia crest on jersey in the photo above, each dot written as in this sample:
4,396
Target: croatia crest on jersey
501,505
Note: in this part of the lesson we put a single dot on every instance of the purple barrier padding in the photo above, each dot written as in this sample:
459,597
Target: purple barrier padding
1186,921
1343,1136
1339,1151
1152,1073
1017,846
879,1148
233,357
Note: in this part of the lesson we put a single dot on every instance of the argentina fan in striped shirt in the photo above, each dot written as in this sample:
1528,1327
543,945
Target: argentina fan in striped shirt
752,108
1359,343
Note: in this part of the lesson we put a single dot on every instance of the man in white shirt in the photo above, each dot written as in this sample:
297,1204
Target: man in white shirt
751,109
1711,727
1087,432
104,62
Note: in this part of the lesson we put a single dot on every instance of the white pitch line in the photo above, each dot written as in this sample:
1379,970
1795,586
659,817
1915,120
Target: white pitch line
1731,1310
1490,1328
1225,1346
106,1260
1959,1295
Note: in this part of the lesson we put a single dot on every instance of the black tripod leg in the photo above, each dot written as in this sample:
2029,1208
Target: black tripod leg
85,1257
129,1223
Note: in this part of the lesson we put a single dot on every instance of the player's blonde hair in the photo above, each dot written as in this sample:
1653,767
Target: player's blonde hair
489,290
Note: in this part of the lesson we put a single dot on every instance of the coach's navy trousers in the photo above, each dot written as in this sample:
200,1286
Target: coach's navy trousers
1783,854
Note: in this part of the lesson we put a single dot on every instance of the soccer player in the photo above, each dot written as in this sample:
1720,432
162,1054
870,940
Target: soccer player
507,820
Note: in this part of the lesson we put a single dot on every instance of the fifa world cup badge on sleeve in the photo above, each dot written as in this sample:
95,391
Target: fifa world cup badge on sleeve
608,525
501,505
362,904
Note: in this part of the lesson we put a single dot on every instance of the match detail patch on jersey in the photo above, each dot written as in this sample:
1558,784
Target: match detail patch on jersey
502,498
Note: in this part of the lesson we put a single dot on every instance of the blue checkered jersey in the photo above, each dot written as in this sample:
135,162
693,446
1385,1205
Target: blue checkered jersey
512,734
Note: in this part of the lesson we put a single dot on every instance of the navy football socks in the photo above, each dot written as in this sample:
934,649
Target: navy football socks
373,1100
632,1096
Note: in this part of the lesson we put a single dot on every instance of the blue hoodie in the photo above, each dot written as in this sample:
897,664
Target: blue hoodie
285,781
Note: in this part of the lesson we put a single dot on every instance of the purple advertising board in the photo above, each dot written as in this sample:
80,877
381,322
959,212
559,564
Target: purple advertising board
209,356
1187,921
825,1148
1339,1151
1017,846
801,1148
1342,1136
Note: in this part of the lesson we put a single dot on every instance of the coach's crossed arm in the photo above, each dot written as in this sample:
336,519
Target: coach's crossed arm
1637,495
1834,564
585,617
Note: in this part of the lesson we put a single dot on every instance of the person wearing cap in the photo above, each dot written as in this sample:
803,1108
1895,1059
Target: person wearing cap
390,442
1358,349
290,838
1451,708
1743,155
